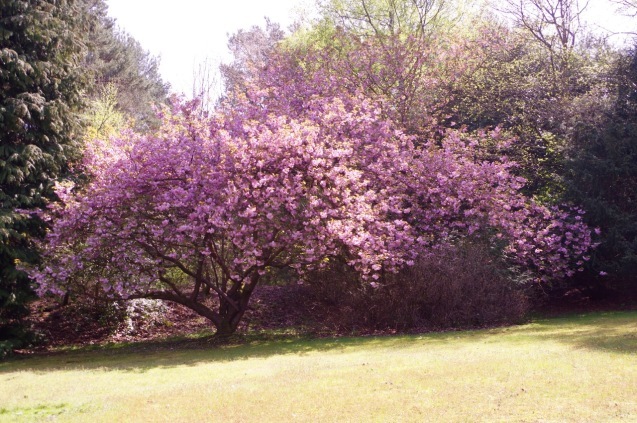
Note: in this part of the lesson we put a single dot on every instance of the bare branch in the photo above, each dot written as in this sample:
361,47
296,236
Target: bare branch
554,23
627,7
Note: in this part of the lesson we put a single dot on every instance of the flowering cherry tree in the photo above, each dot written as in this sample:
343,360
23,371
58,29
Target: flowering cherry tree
451,188
200,207
452,194
299,170
195,208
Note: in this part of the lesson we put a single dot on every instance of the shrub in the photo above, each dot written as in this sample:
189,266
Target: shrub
463,286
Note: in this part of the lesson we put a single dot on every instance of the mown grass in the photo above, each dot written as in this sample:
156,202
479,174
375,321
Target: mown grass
581,368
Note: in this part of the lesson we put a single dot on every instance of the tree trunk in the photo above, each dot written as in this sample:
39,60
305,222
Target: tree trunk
224,329
65,300
231,314
230,318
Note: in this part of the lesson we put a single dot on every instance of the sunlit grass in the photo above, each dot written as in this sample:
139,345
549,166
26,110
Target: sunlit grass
579,369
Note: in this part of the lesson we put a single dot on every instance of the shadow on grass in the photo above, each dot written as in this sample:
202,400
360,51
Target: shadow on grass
144,356
614,332
610,332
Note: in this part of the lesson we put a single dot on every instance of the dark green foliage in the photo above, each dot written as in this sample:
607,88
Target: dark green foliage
603,175
40,92
517,88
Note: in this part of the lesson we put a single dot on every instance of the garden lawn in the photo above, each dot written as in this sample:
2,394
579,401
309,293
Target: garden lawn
579,368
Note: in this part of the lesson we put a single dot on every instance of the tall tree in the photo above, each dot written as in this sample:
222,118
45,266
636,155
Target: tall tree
116,59
556,24
250,49
41,45
603,175
387,17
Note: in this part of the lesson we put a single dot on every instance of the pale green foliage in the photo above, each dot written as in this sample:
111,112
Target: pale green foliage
103,119
383,17
393,17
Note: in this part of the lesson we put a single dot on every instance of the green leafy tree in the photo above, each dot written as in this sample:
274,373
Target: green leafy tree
514,85
387,18
555,24
103,120
603,176
41,44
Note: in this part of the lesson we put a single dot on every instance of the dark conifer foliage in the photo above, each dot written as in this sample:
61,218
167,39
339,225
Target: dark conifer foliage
41,45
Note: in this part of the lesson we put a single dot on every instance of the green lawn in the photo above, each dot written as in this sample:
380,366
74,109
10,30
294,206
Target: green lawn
579,369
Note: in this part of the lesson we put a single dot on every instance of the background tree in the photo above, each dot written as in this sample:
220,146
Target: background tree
206,84
116,59
603,175
628,7
103,118
392,50
41,46
386,18
555,24
513,86
250,50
